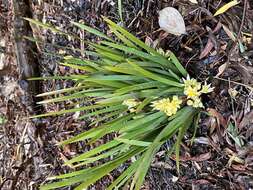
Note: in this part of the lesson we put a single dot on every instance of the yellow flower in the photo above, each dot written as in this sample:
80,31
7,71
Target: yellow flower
131,103
167,106
188,82
206,88
161,105
196,103
191,92
176,102
189,102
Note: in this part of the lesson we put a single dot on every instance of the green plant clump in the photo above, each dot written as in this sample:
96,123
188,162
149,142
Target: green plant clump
143,96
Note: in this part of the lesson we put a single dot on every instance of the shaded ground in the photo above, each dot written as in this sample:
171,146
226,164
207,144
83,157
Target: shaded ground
220,158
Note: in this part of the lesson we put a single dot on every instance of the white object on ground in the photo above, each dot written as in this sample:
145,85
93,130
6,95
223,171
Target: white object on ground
171,21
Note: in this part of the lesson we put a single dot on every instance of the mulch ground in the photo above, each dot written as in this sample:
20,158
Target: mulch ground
219,49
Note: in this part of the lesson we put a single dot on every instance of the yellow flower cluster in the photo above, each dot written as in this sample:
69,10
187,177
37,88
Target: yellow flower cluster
167,106
131,104
193,90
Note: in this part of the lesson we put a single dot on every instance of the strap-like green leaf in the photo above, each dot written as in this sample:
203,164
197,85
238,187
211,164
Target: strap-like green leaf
131,37
133,142
46,26
178,64
91,30
61,91
154,76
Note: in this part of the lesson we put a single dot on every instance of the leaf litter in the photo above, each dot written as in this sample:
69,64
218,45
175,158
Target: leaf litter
208,161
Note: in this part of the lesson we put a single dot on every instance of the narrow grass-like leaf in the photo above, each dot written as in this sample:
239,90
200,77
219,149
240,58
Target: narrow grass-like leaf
51,78
141,54
117,99
154,76
195,127
131,37
105,110
106,168
106,117
110,153
122,38
147,127
124,70
60,91
46,26
124,176
120,11
143,167
133,142
79,94
139,122
91,30
106,83
178,64
115,77
106,49
145,102
137,87
92,174
87,134
84,68
93,152
110,56
68,111
181,133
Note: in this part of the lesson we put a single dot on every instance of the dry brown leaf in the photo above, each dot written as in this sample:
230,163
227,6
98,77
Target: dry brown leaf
245,71
163,165
199,158
65,159
202,157
218,116
171,21
220,122
148,41
212,42
236,159
239,167
247,120
213,124
217,28
201,182
221,69
229,33
151,43
209,46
